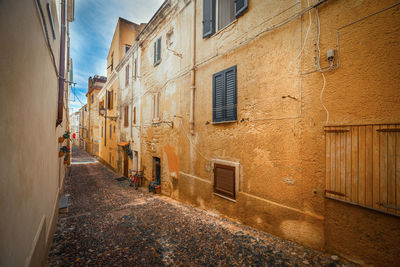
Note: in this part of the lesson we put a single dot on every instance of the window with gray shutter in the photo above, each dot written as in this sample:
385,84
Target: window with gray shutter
240,7
224,180
225,95
208,18
157,51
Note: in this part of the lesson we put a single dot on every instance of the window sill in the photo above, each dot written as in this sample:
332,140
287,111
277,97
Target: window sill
221,122
227,198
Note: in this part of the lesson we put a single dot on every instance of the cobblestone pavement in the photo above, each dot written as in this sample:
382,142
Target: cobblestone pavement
109,223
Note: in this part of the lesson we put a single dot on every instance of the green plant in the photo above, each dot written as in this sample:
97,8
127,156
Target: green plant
66,134
64,149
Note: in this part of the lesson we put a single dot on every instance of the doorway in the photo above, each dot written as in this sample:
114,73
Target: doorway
157,169
125,164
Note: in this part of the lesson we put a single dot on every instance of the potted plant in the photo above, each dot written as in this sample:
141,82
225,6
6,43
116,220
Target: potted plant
63,150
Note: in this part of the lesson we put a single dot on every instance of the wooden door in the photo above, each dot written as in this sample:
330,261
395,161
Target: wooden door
125,164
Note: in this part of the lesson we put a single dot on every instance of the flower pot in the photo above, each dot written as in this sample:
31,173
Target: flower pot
61,153
61,139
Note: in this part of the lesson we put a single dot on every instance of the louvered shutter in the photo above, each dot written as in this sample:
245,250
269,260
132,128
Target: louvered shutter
240,7
218,97
155,53
126,122
208,17
158,50
224,180
230,94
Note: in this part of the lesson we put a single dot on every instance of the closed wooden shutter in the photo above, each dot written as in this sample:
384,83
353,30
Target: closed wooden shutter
111,99
127,75
208,18
225,95
363,165
218,97
224,180
158,50
126,117
155,53
230,92
240,7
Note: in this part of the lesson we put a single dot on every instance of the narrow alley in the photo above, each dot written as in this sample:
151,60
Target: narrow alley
109,223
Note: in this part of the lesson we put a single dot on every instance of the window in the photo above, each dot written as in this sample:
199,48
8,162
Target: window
225,95
110,130
361,164
224,182
127,75
126,116
109,99
102,131
134,115
101,105
51,22
92,98
156,107
135,66
126,48
112,62
228,10
157,51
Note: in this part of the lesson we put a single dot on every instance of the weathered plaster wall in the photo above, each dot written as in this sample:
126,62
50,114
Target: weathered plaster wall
278,138
31,173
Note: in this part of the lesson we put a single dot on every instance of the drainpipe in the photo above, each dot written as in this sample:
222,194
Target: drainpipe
139,108
105,120
61,72
131,79
193,72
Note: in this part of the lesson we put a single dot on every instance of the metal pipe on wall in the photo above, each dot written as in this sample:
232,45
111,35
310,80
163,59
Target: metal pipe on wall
193,72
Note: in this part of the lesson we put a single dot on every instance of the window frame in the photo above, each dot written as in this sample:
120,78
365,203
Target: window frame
212,20
214,91
126,116
157,51
126,75
230,164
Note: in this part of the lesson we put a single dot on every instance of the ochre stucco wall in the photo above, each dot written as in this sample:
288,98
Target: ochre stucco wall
278,138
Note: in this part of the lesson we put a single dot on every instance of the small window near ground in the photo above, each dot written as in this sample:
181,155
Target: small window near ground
224,180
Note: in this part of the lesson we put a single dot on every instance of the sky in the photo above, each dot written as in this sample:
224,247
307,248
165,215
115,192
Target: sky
91,33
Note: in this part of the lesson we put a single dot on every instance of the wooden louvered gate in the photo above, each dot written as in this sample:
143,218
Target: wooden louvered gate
363,165
224,180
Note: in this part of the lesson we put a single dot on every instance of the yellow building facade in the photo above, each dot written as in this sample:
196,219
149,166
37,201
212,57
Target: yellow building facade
94,86
282,115
124,36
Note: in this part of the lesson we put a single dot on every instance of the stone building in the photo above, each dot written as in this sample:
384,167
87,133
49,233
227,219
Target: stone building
74,127
83,123
282,115
34,93
95,84
124,36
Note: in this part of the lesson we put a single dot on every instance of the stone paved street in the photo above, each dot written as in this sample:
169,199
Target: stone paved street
109,223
